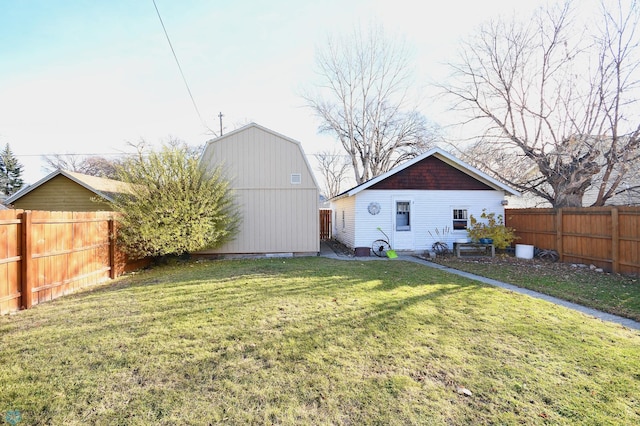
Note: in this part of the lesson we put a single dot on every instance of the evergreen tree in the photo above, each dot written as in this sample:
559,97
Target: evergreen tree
10,172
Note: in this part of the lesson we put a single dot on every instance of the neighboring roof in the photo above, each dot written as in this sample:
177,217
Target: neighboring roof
264,129
103,187
443,156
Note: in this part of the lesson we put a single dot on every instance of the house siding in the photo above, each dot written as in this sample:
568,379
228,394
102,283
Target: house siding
431,174
346,234
277,216
430,210
61,194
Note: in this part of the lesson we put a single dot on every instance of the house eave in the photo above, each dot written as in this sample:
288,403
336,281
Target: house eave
10,200
442,155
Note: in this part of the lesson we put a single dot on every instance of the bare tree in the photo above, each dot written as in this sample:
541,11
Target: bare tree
333,166
93,165
362,99
551,95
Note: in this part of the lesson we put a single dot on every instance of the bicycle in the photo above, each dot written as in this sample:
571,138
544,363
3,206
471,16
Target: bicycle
380,247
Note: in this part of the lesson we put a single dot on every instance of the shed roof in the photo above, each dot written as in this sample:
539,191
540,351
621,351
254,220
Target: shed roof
443,156
102,187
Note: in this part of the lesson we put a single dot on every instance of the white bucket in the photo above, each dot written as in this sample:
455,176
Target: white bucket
524,251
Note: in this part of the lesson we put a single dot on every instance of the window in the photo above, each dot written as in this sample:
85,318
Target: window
343,219
460,219
296,178
403,216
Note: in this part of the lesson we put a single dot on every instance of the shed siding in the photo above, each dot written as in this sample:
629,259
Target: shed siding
61,194
255,159
431,174
430,210
295,230
277,215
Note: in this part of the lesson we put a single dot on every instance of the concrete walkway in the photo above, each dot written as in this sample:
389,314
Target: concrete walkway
326,251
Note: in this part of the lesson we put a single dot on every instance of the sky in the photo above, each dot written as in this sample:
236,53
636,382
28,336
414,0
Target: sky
92,77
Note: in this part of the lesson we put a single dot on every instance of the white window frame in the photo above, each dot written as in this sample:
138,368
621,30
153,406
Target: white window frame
454,219
296,178
407,227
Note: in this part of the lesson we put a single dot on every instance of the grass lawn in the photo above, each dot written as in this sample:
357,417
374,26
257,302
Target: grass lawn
613,293
313,341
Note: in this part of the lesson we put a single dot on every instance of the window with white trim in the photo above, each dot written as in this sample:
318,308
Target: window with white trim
296,178
403,216
460,219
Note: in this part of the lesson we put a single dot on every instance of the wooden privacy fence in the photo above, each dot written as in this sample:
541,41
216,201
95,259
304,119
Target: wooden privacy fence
608,237
45,255
325,224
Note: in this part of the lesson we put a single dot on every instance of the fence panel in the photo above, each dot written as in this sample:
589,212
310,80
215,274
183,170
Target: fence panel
608,237
629,240
534,226
325,224
45,255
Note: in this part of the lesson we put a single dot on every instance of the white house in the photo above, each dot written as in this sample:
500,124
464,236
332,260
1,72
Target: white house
416,203
274,188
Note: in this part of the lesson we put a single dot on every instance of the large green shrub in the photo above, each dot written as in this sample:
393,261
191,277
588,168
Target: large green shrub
174,206
491,226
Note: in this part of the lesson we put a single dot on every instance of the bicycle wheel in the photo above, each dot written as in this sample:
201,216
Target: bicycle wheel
380,247
440,248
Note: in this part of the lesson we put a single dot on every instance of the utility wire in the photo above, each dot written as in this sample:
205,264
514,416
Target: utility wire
184,79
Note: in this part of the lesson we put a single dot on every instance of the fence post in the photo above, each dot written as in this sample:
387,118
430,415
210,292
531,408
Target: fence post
559,234
112,249
26,253
615,240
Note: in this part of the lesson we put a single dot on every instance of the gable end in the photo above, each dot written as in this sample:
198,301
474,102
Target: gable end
432,174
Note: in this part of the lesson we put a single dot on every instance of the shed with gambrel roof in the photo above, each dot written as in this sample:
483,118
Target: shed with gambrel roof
274,188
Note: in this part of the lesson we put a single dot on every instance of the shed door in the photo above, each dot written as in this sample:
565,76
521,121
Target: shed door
403,225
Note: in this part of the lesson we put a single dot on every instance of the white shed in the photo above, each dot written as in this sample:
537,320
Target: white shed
416,202
275,191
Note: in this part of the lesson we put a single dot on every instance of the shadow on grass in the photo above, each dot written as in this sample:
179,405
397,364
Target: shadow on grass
176,294
319,332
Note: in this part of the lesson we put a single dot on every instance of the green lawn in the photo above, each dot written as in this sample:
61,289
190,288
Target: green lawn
313,341
613,293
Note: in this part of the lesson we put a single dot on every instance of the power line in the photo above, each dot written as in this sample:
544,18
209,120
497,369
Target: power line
69,154
184,79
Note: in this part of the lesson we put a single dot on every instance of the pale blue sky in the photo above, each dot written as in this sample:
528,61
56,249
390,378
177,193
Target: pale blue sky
87,76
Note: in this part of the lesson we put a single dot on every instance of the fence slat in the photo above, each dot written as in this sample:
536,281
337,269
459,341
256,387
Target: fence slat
26,284
615,240
112,249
